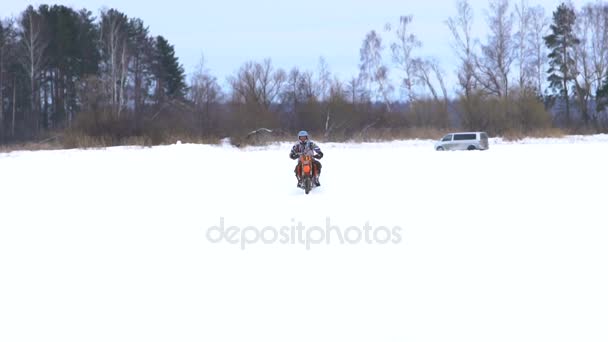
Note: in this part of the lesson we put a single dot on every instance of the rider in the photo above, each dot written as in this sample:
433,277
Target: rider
301,146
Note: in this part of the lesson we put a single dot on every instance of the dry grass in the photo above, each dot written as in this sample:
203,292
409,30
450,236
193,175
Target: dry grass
30,147
381,135
71,140
390,134
78,140
540,133
244,140
170,139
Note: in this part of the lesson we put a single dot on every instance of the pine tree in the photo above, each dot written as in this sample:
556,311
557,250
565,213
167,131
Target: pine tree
561,43
602,96
141,47
2,43
170,77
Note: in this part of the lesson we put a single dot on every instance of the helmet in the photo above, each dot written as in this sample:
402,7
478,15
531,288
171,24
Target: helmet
303,134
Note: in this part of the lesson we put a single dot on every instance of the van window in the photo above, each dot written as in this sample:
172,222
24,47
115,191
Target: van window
447,138
471,136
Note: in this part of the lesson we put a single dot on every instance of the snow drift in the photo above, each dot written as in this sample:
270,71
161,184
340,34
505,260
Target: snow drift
507,244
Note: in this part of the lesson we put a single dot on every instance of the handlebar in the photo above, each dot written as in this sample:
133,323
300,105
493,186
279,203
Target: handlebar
314,155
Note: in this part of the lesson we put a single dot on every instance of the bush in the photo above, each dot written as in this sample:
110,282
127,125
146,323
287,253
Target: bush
518,114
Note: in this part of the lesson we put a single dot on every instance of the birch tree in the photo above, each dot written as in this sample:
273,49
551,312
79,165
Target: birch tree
372,68
402,49
494,65
539,23
114,42
463,45
33,58
523,48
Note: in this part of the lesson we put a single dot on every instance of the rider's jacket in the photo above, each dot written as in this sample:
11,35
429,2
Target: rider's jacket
300,147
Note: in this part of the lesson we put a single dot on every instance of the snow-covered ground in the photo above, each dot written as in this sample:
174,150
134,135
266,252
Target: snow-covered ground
509,244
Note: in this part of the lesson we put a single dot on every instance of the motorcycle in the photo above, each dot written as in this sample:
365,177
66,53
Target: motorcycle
306,171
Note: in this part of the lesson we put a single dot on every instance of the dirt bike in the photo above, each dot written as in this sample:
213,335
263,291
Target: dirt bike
306,171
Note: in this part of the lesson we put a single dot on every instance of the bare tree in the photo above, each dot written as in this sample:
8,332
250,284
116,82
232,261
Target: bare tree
428,73
125,57
325,92
463,45
385,88
337,98
300,100
34,44
324,79
539,24
291,89
308,87
523,49
270,82
257,85
355,88
372,68
591,55
494,66
371,58
298,90
583,62
114,39
465,48
141,46
402,50
598,17
204,93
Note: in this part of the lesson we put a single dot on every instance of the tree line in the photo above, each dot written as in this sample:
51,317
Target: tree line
60,67
84,80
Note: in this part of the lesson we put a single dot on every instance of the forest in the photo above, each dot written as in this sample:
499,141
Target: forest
73,78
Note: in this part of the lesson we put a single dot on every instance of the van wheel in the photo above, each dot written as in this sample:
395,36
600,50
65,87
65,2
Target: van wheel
471,148
439,148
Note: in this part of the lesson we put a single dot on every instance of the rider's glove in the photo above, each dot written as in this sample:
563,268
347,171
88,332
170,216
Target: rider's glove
318,155
293,155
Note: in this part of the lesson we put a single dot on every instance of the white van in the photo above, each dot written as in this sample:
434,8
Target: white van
463,141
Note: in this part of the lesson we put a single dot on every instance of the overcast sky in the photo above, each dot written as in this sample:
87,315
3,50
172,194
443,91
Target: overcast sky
291,33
